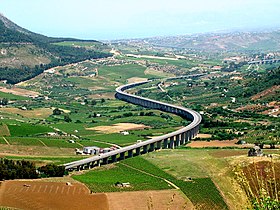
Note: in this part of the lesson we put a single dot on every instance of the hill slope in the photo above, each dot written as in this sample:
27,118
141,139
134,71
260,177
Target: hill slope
238,41
24,54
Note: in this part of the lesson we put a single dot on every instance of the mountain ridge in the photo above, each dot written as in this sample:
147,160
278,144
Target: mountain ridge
25,54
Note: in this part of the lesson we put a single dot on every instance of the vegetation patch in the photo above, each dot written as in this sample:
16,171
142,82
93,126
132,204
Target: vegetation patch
209,197
105,179
34,113
4,130
260,180
25,129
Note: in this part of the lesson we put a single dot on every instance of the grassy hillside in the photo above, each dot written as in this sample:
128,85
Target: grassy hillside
25,54
237,41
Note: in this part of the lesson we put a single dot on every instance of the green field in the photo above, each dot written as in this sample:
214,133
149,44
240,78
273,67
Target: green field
123,72
25,129
12,96
45,159
104,179
202,164
44,142
143,175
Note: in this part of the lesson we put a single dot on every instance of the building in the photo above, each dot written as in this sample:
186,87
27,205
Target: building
92,150
125,133
255,151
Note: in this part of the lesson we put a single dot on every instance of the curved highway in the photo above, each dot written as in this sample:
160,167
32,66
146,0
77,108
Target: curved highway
170,140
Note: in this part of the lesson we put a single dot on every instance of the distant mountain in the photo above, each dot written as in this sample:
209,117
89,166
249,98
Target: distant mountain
238,41
24,54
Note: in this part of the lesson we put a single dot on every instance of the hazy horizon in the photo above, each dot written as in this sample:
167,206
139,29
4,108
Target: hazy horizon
109,20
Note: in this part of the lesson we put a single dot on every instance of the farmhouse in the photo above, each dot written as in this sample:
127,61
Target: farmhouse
125,133
52,134
92,150
122,184
255,151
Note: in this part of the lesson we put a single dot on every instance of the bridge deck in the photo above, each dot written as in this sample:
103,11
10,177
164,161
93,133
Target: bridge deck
188,131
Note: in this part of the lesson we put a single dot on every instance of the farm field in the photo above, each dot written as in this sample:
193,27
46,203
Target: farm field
21,93
40,160
102,180
105,178
38,195
32,150
217,143
36,113
217,164
139,200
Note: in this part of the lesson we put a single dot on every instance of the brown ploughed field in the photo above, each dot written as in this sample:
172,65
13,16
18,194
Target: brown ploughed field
156,200
217,143
33,195
42,194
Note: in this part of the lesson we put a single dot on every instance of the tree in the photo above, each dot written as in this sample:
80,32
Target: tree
93,102
67,118
4,101
52,170
57,111
20,169
102,100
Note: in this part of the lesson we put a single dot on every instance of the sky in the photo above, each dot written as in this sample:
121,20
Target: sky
119,19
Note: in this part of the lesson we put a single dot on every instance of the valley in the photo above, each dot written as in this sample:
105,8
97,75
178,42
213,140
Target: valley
50,116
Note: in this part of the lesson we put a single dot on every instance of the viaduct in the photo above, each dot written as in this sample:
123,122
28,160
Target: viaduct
270,61
170,140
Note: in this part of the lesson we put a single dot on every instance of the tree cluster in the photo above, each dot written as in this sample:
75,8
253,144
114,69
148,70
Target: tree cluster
52,170
10,169
21,169
4,101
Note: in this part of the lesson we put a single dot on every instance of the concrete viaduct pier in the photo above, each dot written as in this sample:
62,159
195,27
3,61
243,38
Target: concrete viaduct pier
170,140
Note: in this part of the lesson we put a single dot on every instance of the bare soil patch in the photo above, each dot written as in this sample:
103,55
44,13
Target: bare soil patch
50,195
203,136
35,113
136,79
158,73
19,92
267,92
116,128
109,95
35,150
251,107
96,88
217,143
162,199
151,56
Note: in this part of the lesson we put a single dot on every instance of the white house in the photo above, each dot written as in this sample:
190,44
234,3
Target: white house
125,133
92,150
